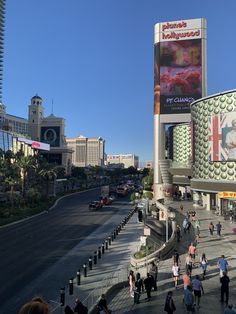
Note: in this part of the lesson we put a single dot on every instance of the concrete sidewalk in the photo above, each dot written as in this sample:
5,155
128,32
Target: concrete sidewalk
213,246
112,268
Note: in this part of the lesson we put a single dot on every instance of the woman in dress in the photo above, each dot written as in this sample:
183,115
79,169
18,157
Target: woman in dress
175,272
131,283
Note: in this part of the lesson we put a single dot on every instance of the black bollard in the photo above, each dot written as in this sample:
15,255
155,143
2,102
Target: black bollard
114,234
78,277
106,245
117,231
112,237
90,263
103,248
71,286
99,252
109,240
62,296
85,270
95,258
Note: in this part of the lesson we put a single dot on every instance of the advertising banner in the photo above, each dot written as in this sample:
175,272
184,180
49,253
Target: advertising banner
222,137
178,66
51,135
35,144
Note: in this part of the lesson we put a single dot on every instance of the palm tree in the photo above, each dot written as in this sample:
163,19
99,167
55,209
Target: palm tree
49,173
25,163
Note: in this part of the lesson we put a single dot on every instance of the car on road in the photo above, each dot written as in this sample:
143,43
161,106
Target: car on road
106,201
95,205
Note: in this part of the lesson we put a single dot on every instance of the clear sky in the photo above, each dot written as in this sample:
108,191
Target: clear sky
94,59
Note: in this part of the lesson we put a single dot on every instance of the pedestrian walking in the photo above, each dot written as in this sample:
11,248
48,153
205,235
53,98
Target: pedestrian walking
224,288
211,228
102,305
223,265
229,309
175,272
131,283
186,280
192,250
189,300
197,224
148,286
203,263
231,218
176,258
138,288
154,273
197,232
178,233
169,303
197,290
188,226
185,224
218,229
79,307
188,264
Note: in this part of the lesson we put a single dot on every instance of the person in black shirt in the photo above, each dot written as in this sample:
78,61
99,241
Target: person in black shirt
148,283
102,305
224,288
139,288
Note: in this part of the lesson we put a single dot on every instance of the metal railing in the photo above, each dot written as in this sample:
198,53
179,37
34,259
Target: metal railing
114,278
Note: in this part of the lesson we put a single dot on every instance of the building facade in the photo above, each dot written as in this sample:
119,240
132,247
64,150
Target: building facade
214,154
87,151
128,160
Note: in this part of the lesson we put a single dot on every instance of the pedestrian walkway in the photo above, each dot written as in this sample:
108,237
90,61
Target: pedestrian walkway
112,268
213,246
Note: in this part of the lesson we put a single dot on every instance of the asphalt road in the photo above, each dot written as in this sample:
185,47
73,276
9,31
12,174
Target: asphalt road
29,248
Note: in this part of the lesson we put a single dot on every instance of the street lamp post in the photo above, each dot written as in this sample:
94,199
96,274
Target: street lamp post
170,215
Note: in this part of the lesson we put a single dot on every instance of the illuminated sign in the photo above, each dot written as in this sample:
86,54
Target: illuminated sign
179,59
227,194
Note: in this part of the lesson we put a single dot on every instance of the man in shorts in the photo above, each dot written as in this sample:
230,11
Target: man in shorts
197,290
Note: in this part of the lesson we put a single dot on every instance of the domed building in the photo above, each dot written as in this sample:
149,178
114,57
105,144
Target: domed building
214,151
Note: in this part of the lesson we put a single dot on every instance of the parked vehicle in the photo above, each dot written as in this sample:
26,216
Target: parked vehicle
95,205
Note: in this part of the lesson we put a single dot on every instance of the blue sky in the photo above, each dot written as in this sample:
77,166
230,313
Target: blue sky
94,59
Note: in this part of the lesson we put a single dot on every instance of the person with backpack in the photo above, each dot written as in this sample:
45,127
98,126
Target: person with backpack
169,303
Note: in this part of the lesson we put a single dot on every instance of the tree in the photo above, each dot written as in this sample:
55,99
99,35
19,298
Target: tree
25,163
48,173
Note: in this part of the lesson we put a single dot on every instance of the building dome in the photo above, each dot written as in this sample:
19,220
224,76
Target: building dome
36,97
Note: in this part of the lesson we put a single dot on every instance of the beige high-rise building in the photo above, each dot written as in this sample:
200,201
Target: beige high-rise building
87,151
128,160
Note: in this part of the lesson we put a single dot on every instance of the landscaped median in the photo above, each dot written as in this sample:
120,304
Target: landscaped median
143,258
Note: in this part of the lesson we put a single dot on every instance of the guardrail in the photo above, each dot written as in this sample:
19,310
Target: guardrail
159,254
106,286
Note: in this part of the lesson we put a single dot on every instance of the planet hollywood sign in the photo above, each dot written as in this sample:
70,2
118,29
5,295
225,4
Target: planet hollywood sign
180,30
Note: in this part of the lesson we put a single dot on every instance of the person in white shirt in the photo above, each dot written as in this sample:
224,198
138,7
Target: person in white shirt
175,272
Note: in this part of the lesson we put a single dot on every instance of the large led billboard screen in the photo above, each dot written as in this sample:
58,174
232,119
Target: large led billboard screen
222,137
179,60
